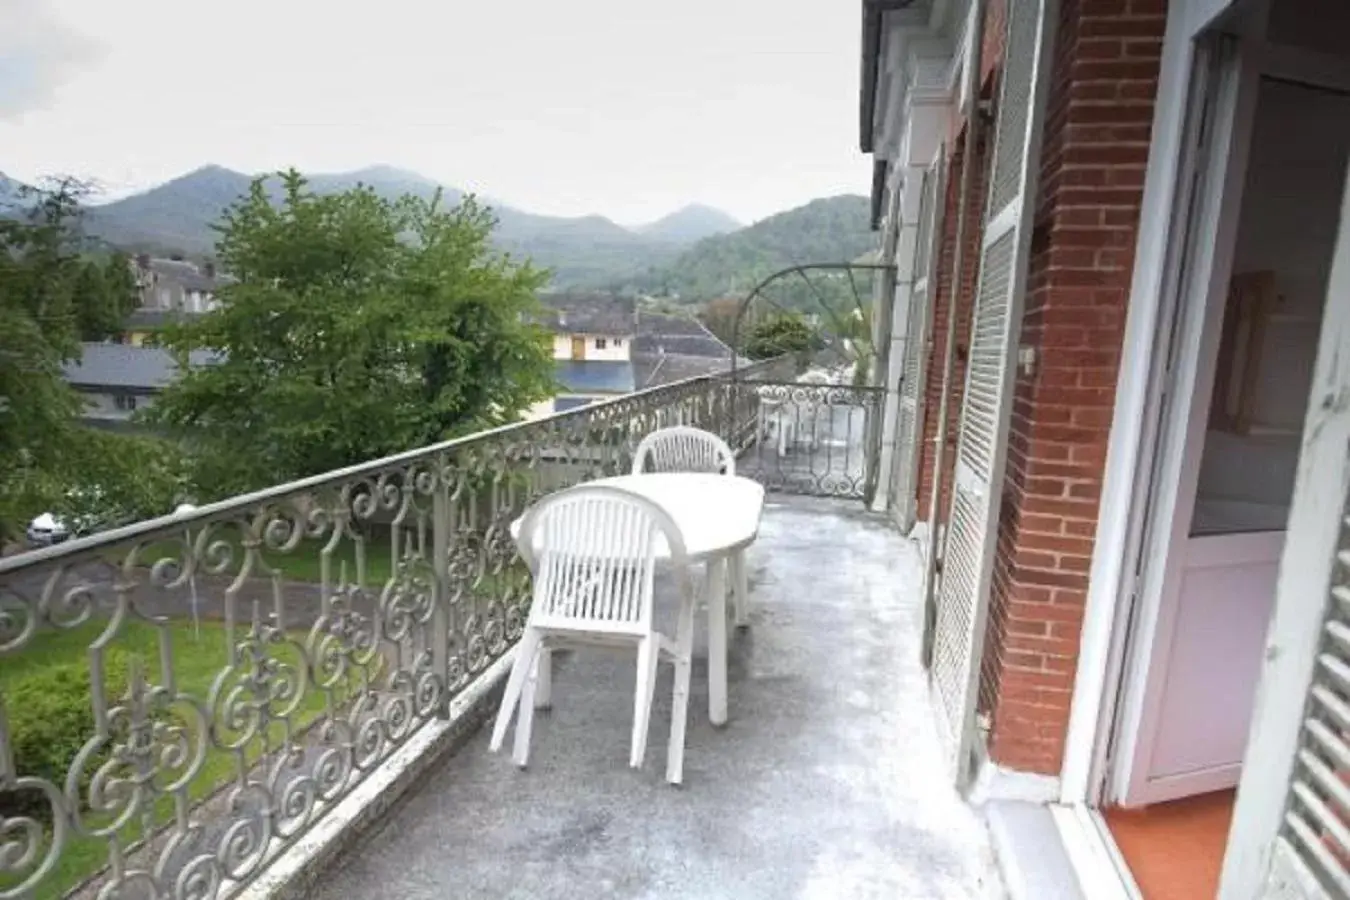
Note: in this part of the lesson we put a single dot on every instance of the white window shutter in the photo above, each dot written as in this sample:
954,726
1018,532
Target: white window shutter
1291,827
918,346
963,594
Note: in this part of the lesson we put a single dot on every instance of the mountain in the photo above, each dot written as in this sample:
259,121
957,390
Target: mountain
11,193
692,223
585,250
830,230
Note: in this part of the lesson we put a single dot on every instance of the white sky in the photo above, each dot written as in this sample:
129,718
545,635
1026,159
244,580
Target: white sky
628,108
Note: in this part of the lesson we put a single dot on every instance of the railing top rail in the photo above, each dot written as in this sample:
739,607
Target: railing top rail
239,502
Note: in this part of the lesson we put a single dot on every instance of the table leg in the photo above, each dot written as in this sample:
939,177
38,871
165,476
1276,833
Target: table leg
717,641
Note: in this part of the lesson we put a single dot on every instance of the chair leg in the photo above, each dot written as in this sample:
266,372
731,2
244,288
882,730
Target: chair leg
525,715
543,688
679,710
648,653
717,642
741,603
529,645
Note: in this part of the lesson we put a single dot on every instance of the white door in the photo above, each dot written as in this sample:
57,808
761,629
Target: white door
1291,828
963,595
918,349
1209,586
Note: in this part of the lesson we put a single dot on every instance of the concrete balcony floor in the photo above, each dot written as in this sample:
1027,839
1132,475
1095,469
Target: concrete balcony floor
826,783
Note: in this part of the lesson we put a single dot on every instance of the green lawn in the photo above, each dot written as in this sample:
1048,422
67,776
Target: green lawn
197,661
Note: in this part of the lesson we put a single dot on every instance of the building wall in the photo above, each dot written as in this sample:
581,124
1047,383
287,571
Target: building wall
103,405
616,349
1104,77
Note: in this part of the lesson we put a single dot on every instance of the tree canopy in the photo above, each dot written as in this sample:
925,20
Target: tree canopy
780,335
52,294
357,326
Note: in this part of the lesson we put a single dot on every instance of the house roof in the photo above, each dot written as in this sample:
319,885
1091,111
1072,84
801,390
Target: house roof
128,367
602,314
659,332
595,376
654,370
873,16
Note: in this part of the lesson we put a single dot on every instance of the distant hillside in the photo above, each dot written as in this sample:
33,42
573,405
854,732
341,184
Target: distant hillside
834,229
690,224
177,216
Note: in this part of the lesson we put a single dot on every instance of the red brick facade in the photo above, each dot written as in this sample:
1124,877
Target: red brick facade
1105,71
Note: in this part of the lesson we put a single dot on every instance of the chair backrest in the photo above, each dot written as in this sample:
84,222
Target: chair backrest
592,552
683,449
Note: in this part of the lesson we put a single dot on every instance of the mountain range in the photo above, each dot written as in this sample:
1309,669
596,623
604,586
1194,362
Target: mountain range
696,252
176,217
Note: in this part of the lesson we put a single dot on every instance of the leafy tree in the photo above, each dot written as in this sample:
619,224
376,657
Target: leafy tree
104,295
357,327
780,335
50,462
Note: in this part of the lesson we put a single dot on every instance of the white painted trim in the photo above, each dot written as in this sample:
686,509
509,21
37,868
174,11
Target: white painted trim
1302,595
1107,579
1006,220
1101,872
995,783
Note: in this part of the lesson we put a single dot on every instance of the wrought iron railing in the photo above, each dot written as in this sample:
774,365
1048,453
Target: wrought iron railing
182,699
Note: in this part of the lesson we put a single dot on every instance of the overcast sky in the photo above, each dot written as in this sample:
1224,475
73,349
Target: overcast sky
628,108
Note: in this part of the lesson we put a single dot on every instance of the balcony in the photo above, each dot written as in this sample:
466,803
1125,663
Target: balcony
227,703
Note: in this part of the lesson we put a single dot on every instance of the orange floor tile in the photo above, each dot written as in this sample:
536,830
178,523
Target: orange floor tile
1175,850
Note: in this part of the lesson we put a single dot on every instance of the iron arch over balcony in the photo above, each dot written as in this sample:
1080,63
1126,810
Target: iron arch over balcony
815,413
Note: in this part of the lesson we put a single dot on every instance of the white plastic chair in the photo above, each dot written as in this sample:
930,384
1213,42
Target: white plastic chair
592,551
681,448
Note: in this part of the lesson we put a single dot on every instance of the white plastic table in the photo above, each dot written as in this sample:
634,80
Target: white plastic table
718,515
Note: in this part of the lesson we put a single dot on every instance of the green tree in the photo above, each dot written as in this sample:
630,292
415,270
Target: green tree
357,327
104,295
780,335
48,462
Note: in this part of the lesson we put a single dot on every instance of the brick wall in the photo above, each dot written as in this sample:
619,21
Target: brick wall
942,303
1105,74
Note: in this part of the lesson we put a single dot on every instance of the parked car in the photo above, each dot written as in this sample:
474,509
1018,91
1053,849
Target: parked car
46,530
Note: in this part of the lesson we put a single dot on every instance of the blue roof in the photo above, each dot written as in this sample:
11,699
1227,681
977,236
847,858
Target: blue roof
596,376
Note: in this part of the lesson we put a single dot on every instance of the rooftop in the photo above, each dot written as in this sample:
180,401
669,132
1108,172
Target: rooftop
125,366
826,783
575,313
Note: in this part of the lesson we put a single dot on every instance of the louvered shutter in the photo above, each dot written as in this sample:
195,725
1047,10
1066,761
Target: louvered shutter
1291,828
918,349
963,598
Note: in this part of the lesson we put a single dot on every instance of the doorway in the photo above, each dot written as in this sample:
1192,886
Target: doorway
1216,531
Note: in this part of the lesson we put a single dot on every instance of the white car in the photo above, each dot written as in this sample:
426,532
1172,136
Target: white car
46,530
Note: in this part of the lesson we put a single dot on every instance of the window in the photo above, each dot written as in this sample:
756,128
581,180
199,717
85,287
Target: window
600,343
125,402
618,342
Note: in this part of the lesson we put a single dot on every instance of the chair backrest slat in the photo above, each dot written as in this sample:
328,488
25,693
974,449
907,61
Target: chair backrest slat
684,449
592,551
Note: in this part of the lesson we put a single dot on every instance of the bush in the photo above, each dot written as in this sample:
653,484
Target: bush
51,717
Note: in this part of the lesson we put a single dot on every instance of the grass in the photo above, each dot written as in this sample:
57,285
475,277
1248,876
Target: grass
197,662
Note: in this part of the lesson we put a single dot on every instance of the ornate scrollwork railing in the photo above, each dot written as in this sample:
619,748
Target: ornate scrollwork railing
183,698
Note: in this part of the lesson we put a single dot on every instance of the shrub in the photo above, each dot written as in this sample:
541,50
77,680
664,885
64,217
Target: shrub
51,717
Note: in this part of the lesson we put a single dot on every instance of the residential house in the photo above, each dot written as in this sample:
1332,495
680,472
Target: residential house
1116,418
605,345
117,380
592,349
169,289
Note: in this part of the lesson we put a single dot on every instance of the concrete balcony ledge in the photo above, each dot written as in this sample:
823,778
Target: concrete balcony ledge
827,782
